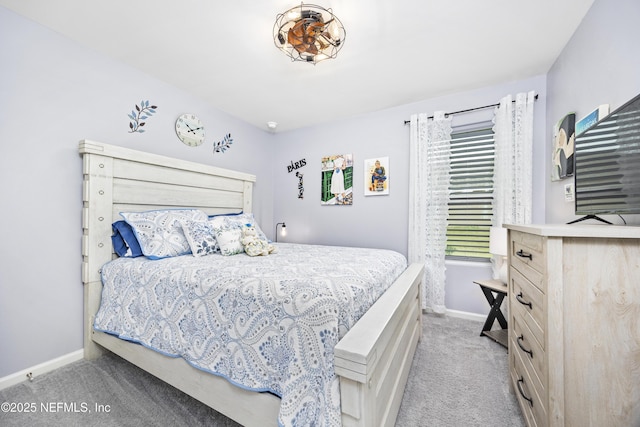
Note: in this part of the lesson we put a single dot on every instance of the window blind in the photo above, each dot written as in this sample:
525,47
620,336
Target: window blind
471,197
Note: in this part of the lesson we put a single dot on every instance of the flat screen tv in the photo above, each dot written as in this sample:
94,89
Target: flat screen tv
607,165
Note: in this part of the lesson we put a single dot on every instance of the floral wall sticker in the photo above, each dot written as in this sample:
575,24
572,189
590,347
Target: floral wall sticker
138,116
222,146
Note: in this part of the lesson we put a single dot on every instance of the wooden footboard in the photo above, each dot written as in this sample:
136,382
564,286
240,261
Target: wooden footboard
372,360
251,409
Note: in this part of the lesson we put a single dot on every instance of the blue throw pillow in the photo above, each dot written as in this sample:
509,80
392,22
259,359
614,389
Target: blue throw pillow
124,240
225,214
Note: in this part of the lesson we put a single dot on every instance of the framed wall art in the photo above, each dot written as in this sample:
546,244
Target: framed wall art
337,180
376,176
563,148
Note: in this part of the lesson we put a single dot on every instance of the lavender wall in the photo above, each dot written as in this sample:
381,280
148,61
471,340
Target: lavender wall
599,65
381,221
54,93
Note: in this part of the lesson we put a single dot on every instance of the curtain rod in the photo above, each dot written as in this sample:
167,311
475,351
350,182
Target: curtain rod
406,122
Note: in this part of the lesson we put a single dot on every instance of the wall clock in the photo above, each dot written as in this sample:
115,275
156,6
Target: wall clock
190,130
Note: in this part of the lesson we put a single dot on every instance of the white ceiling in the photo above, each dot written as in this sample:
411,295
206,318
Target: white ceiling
396,51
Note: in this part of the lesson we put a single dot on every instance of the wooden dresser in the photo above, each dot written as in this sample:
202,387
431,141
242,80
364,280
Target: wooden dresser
574,324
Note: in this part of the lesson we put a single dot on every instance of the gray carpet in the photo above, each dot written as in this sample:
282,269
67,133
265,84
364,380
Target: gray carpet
457,379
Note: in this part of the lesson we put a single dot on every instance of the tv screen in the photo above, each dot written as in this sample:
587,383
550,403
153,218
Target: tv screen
607,164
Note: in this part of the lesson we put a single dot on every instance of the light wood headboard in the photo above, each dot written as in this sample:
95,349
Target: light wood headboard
117,179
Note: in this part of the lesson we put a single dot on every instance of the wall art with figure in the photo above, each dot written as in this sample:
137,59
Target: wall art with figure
376,176
337,180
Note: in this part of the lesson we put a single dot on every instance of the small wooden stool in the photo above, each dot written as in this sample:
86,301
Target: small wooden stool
488,288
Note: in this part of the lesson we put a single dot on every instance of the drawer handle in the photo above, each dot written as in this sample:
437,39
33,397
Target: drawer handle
528,399
523,254
523,302
530,352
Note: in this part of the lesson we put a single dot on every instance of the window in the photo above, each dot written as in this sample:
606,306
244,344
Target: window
471,198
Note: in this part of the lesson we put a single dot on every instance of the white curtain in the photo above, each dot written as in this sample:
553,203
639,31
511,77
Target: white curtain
512,181
429,168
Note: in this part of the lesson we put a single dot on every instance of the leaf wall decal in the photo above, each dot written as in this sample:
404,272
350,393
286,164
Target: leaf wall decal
143,113
222,146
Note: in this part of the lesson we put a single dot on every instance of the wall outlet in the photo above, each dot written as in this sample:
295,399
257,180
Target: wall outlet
569,194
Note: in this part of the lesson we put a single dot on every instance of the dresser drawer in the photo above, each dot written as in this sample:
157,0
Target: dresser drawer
532,355
531,403
528,257
527,302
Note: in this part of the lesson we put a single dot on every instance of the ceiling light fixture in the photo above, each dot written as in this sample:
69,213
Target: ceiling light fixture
309,33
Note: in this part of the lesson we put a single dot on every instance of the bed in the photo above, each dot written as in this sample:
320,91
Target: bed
371,360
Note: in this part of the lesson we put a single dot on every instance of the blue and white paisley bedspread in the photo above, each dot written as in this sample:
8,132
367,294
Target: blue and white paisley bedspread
266,323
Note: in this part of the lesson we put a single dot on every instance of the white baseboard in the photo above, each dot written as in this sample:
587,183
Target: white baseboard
467,315
40,369
461,314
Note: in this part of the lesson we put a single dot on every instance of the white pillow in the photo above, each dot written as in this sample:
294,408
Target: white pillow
200,236
229,240
160,232
237,221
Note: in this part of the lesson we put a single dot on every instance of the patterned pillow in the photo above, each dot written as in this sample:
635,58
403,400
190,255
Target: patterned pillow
229,240
237,221
200,236
160,232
